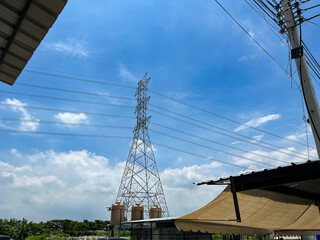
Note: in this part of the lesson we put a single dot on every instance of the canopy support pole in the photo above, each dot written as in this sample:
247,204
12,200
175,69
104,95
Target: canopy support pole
235,199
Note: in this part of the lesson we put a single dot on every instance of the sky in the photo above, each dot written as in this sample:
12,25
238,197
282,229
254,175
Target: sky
194,53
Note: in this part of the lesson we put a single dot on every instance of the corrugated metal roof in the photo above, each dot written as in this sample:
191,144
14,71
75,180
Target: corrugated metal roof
301,180
23,25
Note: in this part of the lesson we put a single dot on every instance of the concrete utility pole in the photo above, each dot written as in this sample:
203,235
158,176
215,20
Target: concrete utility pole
303,71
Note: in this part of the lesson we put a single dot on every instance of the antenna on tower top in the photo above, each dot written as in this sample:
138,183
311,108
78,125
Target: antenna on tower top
140,182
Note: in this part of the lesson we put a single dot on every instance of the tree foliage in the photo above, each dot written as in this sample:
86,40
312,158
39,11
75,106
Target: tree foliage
22,229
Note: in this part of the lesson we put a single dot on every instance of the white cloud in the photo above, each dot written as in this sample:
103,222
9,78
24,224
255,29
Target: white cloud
257,138
247,58
15,152
258,121
70,46
138,146
80,184
18,106
73,118
126,75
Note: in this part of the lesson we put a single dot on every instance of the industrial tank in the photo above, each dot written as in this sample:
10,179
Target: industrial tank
136,212
117,214
155,212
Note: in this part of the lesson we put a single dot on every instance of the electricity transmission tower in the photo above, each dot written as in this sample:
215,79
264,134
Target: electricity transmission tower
141,181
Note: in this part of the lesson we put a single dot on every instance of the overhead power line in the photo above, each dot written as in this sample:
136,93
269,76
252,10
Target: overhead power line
216,142
66,99
154,131
161,95
215,149
120,137
181,115
236,138
78,79
66,110
64,123
62,134
74,91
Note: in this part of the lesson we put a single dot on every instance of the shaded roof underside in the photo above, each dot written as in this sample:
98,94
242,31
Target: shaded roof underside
23,25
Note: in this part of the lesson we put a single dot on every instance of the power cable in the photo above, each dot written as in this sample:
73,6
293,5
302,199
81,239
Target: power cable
128,117
212,141
211,125
74,91
257,42
66,110
124,106
121,137
63,123
78,79
121,127
198,155
67,99
211,148
63,134
174,100
233,137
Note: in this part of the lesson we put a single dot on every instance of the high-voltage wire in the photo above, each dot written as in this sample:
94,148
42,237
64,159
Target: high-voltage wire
74,91
198,155
78,79
66,99
233,137
258,44
161,133
171,99
154,123
121,137
121,127
181,115
212,141
63,123
215,149
62,134
65,110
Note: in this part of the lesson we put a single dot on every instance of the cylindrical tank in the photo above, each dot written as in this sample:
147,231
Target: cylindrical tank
136,212
155,212
117,214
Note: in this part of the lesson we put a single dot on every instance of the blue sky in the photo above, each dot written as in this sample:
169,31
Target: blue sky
194,53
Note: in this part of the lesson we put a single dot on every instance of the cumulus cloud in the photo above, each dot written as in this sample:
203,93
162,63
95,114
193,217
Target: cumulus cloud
258,121
30,123
80,184
73,118
70,46
126,75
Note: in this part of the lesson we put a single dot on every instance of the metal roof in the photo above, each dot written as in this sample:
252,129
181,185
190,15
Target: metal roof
301,180
166,219
23,25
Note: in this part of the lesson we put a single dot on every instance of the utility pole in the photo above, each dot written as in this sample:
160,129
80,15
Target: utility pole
140,182
303,70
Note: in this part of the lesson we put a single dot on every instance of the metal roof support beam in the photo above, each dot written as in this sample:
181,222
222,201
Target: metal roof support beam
16,29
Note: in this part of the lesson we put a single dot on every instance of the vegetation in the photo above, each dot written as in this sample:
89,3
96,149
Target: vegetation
54,229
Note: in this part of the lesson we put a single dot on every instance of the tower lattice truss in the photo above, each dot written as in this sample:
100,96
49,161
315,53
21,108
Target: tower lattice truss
140,182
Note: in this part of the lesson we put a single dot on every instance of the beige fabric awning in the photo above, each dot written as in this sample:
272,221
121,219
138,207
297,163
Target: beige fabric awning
262,212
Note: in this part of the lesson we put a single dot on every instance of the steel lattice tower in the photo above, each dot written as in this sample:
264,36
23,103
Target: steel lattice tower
141,181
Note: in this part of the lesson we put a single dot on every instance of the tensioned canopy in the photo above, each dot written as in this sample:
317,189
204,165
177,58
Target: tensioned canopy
262,212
